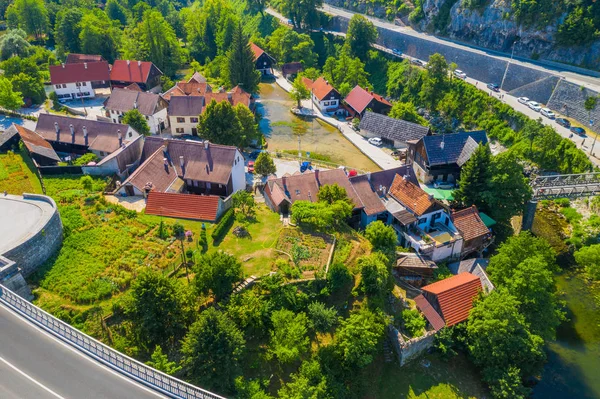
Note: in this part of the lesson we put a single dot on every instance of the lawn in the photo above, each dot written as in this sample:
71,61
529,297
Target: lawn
454,379
18,173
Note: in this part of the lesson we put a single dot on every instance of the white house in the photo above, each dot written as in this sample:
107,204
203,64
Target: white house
324,95
184,112
152,106
79,80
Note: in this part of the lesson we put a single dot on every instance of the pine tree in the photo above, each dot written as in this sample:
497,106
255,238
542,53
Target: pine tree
240,60
475,178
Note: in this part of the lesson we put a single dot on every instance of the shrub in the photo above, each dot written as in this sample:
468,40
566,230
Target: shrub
414,323
223,225
85,159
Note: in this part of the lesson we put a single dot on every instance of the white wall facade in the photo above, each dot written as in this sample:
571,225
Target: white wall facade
153,120
238,173
326,103
69,91
181,125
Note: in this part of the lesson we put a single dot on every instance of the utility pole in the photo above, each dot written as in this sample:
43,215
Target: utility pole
595,136
512,54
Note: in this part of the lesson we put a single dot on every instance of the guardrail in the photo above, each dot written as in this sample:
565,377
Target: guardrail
161,382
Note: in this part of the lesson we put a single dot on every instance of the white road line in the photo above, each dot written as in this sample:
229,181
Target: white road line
83,355
30,378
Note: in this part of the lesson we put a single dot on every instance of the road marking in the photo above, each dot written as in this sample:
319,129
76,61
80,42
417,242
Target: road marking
79,353
30,378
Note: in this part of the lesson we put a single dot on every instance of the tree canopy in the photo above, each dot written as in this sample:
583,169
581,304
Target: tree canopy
360,36
240,62
9,98
289,339
357,338
264,164
217,273
589,257
137,121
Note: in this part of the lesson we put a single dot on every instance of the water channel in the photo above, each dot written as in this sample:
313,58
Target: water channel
573,367
282,128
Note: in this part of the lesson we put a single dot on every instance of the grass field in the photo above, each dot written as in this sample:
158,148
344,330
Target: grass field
18,173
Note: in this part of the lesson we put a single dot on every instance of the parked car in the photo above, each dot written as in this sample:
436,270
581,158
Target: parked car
534,106
460,74
493,86
417,62
251,167
563,122
548,113
376,141
523,100
578,130
396,52
304,166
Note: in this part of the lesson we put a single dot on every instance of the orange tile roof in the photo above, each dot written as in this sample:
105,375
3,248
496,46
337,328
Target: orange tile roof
432,316
307,82
184,206
256,50
412,196
455,296
321,88
469,223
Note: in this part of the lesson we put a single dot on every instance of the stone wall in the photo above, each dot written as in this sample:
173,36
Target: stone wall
568,99
411,349
32,253
539,91
11,278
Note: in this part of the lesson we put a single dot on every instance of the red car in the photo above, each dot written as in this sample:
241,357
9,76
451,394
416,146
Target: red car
251,167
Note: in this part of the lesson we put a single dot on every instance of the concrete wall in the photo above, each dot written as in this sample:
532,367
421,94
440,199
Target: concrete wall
411,349
71,90
32,253
11,278
568,99
539,91
238,173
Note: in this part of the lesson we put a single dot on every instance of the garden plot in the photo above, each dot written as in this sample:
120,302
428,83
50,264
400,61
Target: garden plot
307,251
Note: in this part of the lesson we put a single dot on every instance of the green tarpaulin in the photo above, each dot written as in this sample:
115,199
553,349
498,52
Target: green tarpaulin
440,194
488,221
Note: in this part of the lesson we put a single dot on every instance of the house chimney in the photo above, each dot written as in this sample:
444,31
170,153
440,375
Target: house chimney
181,162
57,129
166,164
206,143
139,63
369,176
72,129
384,190
309,196
135,105
63,65
85,134
120,136
284,182
85,65
317,175
128,62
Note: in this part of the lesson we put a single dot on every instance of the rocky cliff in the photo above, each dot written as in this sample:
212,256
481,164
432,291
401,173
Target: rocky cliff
491,27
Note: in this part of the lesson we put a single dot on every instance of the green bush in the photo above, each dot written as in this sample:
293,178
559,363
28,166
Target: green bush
223,225
571,215
85,159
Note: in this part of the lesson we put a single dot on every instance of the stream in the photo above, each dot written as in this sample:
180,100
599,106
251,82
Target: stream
573,367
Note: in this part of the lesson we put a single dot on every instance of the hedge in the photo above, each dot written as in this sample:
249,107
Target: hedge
224,224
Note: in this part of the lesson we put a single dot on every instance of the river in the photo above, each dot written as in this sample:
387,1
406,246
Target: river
279,125
573,367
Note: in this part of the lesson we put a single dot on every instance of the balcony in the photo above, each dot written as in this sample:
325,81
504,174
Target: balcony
426,243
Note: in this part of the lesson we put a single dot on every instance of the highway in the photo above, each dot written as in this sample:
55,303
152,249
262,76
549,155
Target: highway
34,364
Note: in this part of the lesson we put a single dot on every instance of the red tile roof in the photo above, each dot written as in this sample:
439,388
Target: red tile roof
74,58
455,296
307,82
360,98
79,72
469,223
184,206
130,71
322,88
256,50
412,196
429,312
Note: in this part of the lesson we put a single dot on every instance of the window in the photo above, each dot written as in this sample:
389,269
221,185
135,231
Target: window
195,183
78,84
179,130
326,103
130,134
64,85
101,153
57,86
194,120
180,120
84,84
297,192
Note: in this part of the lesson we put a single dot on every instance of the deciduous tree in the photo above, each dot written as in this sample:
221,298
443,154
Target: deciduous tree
160,361
100,35
249,131
321,317
375,274
382,237
360,36
116,11
212,350
137,121
32,16
67,29
264,164
408,112
357,338
14,44
299,91
589,257
289,339
219,124
308,382
217,273
9,98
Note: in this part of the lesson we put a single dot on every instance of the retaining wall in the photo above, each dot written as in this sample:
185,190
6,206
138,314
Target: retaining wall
539,91
568,99
32,253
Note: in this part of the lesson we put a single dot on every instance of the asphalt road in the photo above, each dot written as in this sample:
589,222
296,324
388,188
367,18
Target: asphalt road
34,364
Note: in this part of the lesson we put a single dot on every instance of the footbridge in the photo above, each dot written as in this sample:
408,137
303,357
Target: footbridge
559,186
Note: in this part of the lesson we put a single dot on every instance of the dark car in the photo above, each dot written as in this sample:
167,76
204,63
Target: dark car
578,130
563,122
493,86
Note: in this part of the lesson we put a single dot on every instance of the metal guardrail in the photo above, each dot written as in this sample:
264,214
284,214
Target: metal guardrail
161,382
